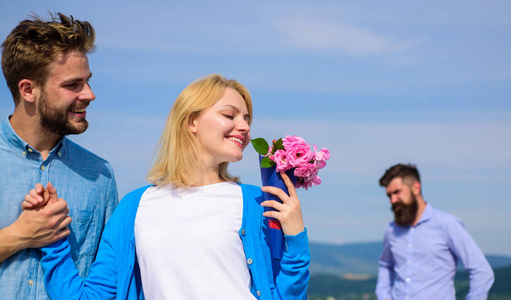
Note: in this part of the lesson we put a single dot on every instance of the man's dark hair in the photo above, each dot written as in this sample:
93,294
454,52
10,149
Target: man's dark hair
408,173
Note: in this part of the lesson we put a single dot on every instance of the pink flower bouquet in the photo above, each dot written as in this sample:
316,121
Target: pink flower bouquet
293,153
293,156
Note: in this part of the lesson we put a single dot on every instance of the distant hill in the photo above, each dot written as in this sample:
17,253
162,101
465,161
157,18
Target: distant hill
323,286
362,259
498,261
345,259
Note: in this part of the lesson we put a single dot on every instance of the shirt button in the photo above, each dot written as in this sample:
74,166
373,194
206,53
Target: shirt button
30,282
249,261
24,153
42,168
258,293
60,154
243,232
407,279
30,150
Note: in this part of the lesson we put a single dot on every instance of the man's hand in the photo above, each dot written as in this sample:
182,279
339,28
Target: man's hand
38,226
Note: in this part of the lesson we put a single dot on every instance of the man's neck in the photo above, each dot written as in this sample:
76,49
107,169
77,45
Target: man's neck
29,129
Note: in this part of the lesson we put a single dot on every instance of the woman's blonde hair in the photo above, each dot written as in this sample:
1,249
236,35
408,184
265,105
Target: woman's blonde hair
178,148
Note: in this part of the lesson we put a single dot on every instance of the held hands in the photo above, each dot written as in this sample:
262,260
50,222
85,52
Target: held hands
39,196
289,213
44,219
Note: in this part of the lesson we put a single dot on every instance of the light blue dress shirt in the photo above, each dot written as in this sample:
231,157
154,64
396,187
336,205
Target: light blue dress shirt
419,262
82,178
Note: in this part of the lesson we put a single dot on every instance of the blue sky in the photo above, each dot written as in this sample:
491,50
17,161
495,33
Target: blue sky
377,83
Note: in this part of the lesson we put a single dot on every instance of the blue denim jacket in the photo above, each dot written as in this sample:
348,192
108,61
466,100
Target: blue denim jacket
83,179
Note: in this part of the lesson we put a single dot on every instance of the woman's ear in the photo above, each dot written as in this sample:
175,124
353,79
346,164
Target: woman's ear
193,125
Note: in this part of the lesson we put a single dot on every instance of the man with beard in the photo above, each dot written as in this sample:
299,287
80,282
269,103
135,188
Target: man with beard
422,247
47,71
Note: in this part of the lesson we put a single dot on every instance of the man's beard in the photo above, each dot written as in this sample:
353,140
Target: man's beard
54,119
405,215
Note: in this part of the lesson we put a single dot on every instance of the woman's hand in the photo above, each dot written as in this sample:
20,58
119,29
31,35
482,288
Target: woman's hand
35,198
289,213
40,196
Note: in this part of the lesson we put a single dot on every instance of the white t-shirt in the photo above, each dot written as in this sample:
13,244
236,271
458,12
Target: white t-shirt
188,245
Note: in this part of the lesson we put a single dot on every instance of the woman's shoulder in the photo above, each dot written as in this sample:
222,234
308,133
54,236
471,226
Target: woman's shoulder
131,199
136,193
249,188
251,194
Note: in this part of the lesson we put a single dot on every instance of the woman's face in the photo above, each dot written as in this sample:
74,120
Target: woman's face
223,130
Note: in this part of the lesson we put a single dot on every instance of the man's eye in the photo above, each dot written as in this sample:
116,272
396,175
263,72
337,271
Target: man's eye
71,85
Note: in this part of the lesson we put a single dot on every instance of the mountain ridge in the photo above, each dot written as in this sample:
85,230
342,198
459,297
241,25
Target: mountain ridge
361,259
324,287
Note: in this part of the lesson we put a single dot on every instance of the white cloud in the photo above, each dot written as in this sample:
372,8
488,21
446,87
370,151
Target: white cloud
360,150
329,36
456,145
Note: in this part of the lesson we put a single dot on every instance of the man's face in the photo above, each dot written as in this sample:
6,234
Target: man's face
404,202
66,95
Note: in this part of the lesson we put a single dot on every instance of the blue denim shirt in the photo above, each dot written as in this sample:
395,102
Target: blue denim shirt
83,179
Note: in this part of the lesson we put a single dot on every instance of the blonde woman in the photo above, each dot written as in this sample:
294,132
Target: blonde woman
196,232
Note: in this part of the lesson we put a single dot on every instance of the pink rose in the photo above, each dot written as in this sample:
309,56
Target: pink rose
306,171
299,156
315,180
320,164
280,159
270,150
292,141
321,156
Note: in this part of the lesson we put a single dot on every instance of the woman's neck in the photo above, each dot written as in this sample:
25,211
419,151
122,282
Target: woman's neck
208,174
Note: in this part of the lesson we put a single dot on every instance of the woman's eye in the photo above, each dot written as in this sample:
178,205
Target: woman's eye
229,117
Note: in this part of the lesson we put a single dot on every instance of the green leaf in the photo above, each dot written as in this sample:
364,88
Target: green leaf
277,146
267,163
260,146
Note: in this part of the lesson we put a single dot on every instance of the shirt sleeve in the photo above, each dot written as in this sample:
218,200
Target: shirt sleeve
112,196
385,270
62,280
465,249
292,280
61,277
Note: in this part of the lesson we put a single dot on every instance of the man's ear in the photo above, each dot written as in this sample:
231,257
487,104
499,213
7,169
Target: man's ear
416,188
28,90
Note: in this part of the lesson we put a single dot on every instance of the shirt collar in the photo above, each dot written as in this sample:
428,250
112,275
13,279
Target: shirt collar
19,144
427,214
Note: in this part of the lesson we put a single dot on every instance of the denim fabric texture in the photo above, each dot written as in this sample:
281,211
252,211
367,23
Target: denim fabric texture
83,179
